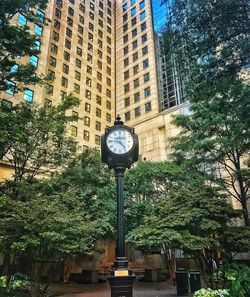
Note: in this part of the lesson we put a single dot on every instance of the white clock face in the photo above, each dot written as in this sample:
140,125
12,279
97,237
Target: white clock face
120,141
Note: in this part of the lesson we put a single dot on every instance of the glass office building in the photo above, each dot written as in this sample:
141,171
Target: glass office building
170,90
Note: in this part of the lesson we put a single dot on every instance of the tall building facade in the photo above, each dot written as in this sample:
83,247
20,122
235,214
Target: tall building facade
111,55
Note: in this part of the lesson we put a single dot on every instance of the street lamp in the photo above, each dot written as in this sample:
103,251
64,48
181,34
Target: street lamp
119,150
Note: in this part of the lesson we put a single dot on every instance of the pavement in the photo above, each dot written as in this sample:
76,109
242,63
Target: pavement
141,289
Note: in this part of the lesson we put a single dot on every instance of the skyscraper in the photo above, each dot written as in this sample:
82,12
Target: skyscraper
112,56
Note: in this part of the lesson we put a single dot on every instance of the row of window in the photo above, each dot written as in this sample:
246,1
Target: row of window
28,94
86,134
134,32
137,111
132,2
133,12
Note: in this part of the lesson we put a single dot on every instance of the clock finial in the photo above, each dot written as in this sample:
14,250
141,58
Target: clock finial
118,120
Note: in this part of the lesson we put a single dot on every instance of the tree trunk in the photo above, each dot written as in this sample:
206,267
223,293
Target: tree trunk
170,261
36,272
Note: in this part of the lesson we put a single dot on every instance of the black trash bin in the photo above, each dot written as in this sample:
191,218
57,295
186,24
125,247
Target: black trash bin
182,284
194,280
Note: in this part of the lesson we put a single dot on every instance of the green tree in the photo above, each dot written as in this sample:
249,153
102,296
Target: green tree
16,41
210,44
33,138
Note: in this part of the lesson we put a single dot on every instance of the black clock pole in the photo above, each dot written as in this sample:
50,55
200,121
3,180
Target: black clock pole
121,279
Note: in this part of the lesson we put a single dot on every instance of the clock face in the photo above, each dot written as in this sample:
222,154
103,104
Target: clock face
119,141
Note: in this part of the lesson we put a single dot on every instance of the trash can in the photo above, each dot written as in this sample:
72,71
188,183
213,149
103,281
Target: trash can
182,284
194,280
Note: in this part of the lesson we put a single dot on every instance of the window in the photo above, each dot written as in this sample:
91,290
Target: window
69,21
78,63
34,61
126,74
136,97
125,38
99,65
98,100
108,29
100,14
66,56
79,51
49,89
67,44
99,87
75,115
108,81
88,81
108,117
109,3
64,82
58,13
90,47
80,29
65,69
108,60
142,15
133,11
148,107
72,1
79,40
132,2
133,21
89,69
98,126
135,56
134,32
89,58
68,32
91,15
144,50
108,105
145,64
100,4
100,23
109,20
52,61
99,42
73,131
91,27
76,88
97,139
87,107
127,116
62,95
137,111
22,19
126,62
86,135
100,33
98,112
125,28
51,75
147,92
77,75
142,4
125,7
135,69
11,87
99,76
82,8
143,26
28,95
134,44
47,102
109,50
57,24
144,38
88,94
126,102
108,93
70,11
6,103
92,6
136,83
108,40
126,88
37,45
125,17
81,19
59,3
38,30
55,36
108,70
146,77
54,48
125,50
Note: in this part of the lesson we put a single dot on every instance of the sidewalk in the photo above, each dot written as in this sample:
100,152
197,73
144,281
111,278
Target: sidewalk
141,289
